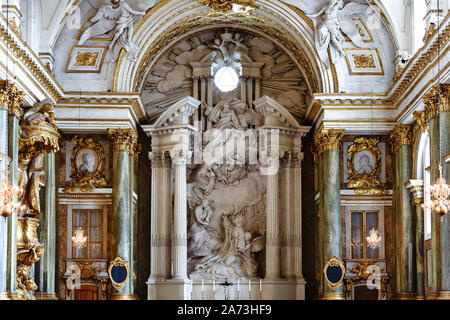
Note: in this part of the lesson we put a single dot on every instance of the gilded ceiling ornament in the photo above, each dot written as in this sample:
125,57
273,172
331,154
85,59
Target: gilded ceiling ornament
334,271
123,139
401,135
88,163
328,139
364,167
364,61
86,59
15,97
224,5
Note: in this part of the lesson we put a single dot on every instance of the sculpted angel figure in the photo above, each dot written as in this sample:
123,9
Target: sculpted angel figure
117,16
332,20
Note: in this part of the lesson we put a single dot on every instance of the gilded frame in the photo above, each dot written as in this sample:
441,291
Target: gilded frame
118,261
331,263
86,181
365,183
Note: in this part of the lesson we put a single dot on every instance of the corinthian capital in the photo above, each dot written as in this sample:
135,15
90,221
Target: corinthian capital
123,139
401,135
431,100
328,139
180,157
10,94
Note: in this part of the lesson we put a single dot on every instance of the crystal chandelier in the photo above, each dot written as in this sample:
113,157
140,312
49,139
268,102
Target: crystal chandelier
440,191
8,196
373,240
79,239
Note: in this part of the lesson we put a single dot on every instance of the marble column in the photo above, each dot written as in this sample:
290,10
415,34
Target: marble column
124,141
437,111
180,159
328,143
404,237
14,110
45,275
416,188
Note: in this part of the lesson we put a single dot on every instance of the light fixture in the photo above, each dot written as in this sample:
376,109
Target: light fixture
373,240
226,79
8,197
440,191
79,239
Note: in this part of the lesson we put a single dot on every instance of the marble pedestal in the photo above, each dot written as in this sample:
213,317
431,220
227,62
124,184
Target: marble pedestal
171,289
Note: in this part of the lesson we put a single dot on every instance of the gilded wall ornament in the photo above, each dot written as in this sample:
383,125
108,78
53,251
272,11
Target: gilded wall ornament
224,5
364,167
88,163
334,272
364,61
86,59
401,135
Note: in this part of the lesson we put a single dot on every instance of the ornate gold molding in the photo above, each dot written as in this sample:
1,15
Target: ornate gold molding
429,33
364,61
13,96
431,100
118,262
86,59
334,262
328,139
224,5
123,139
84,178
401,135
367,181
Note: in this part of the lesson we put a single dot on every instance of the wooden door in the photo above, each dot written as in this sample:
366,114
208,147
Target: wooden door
86,293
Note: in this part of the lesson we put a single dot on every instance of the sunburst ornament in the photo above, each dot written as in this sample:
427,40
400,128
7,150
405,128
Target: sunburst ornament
373,240
79,239
440,192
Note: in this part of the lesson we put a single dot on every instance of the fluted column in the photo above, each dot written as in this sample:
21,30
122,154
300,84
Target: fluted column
180,159
416,188
14,98
124,141
296,212
160,216
328,143
287,254
404,237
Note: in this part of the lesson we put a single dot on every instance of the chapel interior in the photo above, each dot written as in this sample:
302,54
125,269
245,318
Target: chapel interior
224,150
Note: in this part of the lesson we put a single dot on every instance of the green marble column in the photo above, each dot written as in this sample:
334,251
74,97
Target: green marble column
15,100
404,216
45,276
329,143
124,141
420,272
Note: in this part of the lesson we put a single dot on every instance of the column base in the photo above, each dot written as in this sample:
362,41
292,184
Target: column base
9,296
123,296
404,296
45,296
170,289
420,298
442,295
331,296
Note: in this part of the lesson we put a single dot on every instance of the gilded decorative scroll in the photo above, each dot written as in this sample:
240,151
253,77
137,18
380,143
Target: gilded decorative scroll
364,167
88,163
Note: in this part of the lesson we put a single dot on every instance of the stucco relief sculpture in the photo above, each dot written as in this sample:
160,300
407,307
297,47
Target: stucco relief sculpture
117,16
331,21
225,196
172,77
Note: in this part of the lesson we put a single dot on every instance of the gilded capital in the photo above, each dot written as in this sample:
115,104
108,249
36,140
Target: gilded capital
328,139
401,135
431,100
13,96
123,139
421,120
